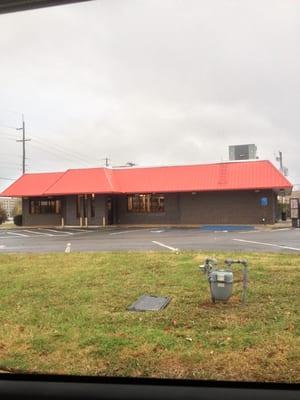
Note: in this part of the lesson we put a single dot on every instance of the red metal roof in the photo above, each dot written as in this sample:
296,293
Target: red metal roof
32,184
248,175
88,180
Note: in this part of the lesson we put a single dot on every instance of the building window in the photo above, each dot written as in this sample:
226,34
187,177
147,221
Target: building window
145,203
45,206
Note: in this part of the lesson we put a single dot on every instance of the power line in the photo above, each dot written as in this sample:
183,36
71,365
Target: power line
57,148
51,134
7,126
60,148
7,179
63,150
10,111
56,152
3,162
8,154
5,135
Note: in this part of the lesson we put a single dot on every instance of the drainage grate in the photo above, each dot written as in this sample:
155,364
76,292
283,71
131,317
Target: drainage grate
149,303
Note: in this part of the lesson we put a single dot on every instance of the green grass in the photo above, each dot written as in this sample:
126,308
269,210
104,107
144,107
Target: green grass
7,225
67,314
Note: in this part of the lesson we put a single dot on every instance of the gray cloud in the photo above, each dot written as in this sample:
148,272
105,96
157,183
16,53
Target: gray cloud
155,82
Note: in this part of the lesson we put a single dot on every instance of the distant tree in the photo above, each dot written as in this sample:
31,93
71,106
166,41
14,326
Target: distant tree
3,215
18,220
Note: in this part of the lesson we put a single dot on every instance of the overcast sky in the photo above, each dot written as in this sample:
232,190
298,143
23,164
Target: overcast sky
151,82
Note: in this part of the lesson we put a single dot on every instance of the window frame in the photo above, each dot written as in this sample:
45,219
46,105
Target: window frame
53,206
142,203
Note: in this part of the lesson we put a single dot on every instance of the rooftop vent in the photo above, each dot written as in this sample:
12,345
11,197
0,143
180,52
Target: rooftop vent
242,152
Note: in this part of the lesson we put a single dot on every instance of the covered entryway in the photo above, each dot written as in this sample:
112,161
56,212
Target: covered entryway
84,210
112,210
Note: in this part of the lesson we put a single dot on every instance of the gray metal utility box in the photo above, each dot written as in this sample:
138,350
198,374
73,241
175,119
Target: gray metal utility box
221,284
221,280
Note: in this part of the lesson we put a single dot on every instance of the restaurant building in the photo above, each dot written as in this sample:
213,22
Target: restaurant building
223,193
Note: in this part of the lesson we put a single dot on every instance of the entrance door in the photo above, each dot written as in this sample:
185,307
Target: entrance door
81,209
112,210
109,211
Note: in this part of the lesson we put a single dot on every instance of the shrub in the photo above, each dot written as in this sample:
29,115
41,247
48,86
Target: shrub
3,215
18,220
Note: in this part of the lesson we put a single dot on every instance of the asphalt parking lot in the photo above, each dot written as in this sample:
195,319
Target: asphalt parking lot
38,240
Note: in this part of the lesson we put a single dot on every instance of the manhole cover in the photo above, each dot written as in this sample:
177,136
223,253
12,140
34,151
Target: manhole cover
149,303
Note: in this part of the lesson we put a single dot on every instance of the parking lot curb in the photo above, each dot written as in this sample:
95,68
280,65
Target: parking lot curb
278,225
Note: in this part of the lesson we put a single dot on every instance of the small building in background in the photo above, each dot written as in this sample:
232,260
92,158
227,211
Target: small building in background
284,210
9,204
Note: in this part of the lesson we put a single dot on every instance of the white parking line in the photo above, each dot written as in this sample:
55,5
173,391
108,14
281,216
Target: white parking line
2,246
267,230
37,233
53,230
156,231
17,234
133,230
252,231
49,230
78,230
55,236
268,244
164,245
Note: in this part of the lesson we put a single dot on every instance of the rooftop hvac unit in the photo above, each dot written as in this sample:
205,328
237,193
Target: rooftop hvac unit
242,152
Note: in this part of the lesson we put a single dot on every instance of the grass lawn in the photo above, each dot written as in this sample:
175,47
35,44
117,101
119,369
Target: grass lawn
66,314
7,225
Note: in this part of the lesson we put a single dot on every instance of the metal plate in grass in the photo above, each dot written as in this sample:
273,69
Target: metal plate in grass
149,303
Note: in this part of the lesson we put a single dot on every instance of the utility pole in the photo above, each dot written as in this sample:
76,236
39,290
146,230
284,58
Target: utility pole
106,159
23,140
282,168
279,158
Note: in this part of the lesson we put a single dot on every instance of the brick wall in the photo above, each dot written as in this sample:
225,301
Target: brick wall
232,207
